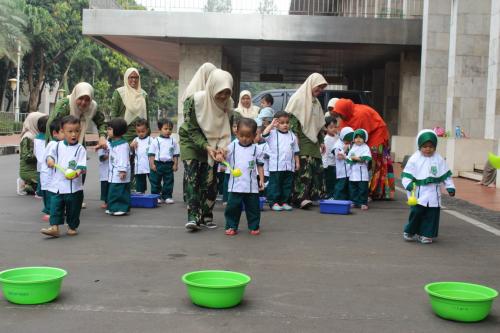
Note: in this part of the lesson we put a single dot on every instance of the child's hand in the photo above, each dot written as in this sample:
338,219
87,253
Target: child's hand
275,122
174,167
212,153
134,145
50,163
261,184
123,175
356,158
297,166
322,148
341,156
152,166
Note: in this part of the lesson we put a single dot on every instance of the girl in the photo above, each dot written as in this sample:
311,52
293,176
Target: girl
359,156
342,168
140,147
330,170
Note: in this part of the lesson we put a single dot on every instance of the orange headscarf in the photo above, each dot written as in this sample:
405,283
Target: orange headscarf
363,116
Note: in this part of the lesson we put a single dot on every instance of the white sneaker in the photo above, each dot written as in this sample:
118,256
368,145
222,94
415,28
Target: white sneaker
169,201
425,240
119,213
160,201
84,205
286,207
20,187
409,237
107,211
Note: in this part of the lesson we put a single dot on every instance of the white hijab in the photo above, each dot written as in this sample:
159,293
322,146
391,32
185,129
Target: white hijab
30,125
306,108
85,115
198,81
252,111
133,99
212,117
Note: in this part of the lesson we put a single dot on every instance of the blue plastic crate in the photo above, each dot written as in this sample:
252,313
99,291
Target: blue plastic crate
144,200
342,207
262,203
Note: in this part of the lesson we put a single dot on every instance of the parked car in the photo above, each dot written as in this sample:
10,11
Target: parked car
282,96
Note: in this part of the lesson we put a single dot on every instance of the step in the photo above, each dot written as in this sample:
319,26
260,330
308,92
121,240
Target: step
470,175
479,168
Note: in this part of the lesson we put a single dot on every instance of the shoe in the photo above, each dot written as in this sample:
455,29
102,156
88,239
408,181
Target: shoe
38,197
364,207
119,213
84,205
71,232
46,218
52,231
277,208
104,206
409,237
169,201
107,212
20,187
209,225
425,240
219,197
305,204
230,232
286,207
160,201
224,204
255,232
192,226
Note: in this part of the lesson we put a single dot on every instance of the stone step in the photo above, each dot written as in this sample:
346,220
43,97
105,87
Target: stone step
479,168
471,175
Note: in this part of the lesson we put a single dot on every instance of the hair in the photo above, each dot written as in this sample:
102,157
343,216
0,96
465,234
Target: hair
69,120
55,126
281,114
268,98
248,122
42,124
330,120
164,121
119,126
141,122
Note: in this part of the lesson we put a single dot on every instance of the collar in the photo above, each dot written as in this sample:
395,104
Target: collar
146,137
40,136
245,145
164,137
283,132
114,143
67,144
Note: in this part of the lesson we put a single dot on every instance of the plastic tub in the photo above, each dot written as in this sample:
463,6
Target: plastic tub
460,301
32,285
342,207
144,200
216,289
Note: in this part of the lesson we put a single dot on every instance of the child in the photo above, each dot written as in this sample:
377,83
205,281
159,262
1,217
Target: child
47,173
359,156
119,169
28,178
163,160
103,154
68,189
39,149
342,168
283,150
425,172
329,169
234,132
266,103
243,154
140,145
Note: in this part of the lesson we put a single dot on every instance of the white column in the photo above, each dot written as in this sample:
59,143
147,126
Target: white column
493,93
451,67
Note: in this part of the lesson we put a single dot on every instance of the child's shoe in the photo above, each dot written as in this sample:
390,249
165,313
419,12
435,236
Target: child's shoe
52,231
255,232
84,205
286,207
160,201
107,212
169,201
306,204
104,206
425,240
119,213
46,218
38,197
409,237
277,208
230,232
364,207
71,232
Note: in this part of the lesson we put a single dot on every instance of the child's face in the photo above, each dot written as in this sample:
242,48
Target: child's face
58,135
109,131
359,140
141,131
235,129
166,130
427,149
71,133
283,124
331,129
264,103
245,135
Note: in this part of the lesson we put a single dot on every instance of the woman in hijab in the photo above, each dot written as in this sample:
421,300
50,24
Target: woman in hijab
307,121
362,116
245,107
204,135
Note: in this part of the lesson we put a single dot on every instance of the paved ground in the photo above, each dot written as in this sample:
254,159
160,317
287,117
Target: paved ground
311,272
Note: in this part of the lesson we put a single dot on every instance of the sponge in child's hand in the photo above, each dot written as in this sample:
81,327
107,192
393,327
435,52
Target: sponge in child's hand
237,172
70,173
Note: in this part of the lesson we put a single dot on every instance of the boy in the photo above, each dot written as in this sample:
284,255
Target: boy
140,145
39,149
67,188
266,103
342,169
329,169
359,156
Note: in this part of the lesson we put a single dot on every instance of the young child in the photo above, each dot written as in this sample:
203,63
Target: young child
103,155
329,169
266,103
359,156
342,168
68,189
283,150
243,154
426,171
163,160
140,145
47,173
39,149
227,174
119,169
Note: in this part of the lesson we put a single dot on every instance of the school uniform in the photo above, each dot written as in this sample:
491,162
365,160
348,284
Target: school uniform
342,172
263,151
68,193
119,190
39,150
329,165
359,177
141,163
243,189
164,150
46,175
103,155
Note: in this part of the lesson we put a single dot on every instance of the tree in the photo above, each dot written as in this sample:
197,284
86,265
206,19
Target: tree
222,6
267,7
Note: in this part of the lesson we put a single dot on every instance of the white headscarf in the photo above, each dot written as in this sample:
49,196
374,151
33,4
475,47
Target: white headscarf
30,125
212,117
133,99
252,111
85,115
198,81
306,108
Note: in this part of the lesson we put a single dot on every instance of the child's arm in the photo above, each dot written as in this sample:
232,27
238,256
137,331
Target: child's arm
123,161
450,186
176,162
297,162
269,127
260,170
134,144
152,164
177,153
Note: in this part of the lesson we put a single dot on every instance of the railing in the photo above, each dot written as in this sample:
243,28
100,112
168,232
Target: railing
8,123
405,9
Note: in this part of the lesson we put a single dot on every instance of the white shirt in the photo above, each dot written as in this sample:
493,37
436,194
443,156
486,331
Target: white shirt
343,169
328,158
164,149
246,159
69,157
282,148
103,155
359,170
264,152
46,173
141,155
119,161
39,150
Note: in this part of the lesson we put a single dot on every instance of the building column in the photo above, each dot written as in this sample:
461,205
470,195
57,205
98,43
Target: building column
409,82
391,96
492,116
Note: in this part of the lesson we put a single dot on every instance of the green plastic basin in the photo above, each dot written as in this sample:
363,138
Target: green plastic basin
32,285
216,289
460,301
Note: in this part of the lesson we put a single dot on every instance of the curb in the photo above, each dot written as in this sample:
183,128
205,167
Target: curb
9,150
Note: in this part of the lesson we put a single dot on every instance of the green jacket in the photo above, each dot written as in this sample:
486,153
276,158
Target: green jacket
118,111
27,161
192,141
306,146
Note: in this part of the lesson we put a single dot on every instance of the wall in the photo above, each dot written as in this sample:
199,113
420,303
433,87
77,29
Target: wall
409,84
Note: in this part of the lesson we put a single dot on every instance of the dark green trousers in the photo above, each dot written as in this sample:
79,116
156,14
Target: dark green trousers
330,180
423,221
119,197
141,183
279,187
342,189
359,193
66,206
232,213
225,193
38,185
162,180
104,190
47,197
220,182
308,180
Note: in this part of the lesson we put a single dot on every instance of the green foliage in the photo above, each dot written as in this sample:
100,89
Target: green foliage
267,7
222,6
102,94
13,23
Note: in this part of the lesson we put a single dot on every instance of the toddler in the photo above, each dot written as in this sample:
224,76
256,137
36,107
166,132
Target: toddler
342,168
359,156
329,169
140,145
